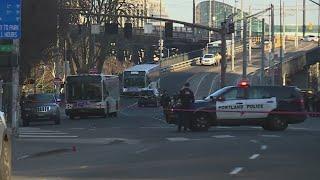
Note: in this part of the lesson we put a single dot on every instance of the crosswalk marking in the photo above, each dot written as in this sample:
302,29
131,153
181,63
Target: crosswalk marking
31,132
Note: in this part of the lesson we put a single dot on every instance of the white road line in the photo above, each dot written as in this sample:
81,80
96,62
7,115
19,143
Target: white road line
143,150
263,147
270,136
77,128
255,156
178,139
224,127
39,131
254,127
83,167
212,83
34,136
36,133
296,128
132,105
236,170
223,136
204,76
254,141
23,157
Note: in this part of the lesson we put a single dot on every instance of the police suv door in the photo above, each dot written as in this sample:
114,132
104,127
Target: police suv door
259,103
231,104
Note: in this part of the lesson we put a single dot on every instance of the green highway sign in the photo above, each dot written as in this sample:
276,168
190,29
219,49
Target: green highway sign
6,47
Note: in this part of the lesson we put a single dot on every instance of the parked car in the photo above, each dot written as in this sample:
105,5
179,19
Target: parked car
40,107
5,150
210,59
311,38
148,97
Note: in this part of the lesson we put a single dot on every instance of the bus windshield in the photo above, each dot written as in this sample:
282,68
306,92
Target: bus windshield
134,79
84,88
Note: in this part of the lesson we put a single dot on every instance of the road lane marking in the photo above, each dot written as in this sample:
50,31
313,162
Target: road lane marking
296,128
77,128
254,141
236,170
224,127
270,136
223,136
36,133
263,147
143,150
197,89
212,83
42,131
255,156
83,167
178,139
49,136
23,157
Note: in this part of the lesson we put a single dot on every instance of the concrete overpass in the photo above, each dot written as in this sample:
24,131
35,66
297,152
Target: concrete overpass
205,80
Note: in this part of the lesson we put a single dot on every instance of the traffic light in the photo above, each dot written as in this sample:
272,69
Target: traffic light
230,28
111,28
168,30
7,58
127,30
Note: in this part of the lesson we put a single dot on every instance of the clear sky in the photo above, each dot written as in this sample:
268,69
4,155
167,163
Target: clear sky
182,9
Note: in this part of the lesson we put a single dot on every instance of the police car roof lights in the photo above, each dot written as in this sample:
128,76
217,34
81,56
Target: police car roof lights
244,84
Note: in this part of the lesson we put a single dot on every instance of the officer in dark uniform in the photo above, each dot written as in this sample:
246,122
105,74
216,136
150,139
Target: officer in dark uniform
165,99
186,97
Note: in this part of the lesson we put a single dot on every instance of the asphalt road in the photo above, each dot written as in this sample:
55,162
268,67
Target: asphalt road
140,145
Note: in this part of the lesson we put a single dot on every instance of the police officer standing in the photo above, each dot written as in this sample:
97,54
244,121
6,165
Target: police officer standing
186,97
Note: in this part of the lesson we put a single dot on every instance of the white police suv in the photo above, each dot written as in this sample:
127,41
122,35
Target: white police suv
5,150
272,107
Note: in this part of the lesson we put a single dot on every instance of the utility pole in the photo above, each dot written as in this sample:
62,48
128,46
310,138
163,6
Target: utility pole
296,40
273,46
210,19
284,27
250,34
194,17
223,52
160,39
262,54
318,26
281,41
233,40
1,93
304,18
242,16
15,88
244,56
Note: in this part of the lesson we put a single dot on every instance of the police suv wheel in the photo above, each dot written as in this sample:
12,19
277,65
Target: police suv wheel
277,124
5,161
200,122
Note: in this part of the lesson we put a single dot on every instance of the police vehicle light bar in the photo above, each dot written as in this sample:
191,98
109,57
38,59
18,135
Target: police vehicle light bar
244,83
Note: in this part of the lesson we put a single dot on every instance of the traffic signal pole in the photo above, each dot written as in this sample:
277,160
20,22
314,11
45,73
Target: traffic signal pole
262,81
245,50
223,55
15,90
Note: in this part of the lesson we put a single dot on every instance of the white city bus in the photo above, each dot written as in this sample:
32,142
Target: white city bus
92,95
139,77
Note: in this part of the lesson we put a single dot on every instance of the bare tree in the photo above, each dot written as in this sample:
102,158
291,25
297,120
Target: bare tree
81,50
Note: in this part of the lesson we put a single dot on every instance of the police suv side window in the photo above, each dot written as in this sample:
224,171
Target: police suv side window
234,94
258,93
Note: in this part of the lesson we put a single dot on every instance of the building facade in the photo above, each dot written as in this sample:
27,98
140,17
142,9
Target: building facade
219,12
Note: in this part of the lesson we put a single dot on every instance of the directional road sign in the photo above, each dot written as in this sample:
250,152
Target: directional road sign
10,19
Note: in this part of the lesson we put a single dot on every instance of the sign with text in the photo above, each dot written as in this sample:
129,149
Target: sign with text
10,19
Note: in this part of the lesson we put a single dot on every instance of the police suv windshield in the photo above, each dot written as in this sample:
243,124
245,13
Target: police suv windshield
217,93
